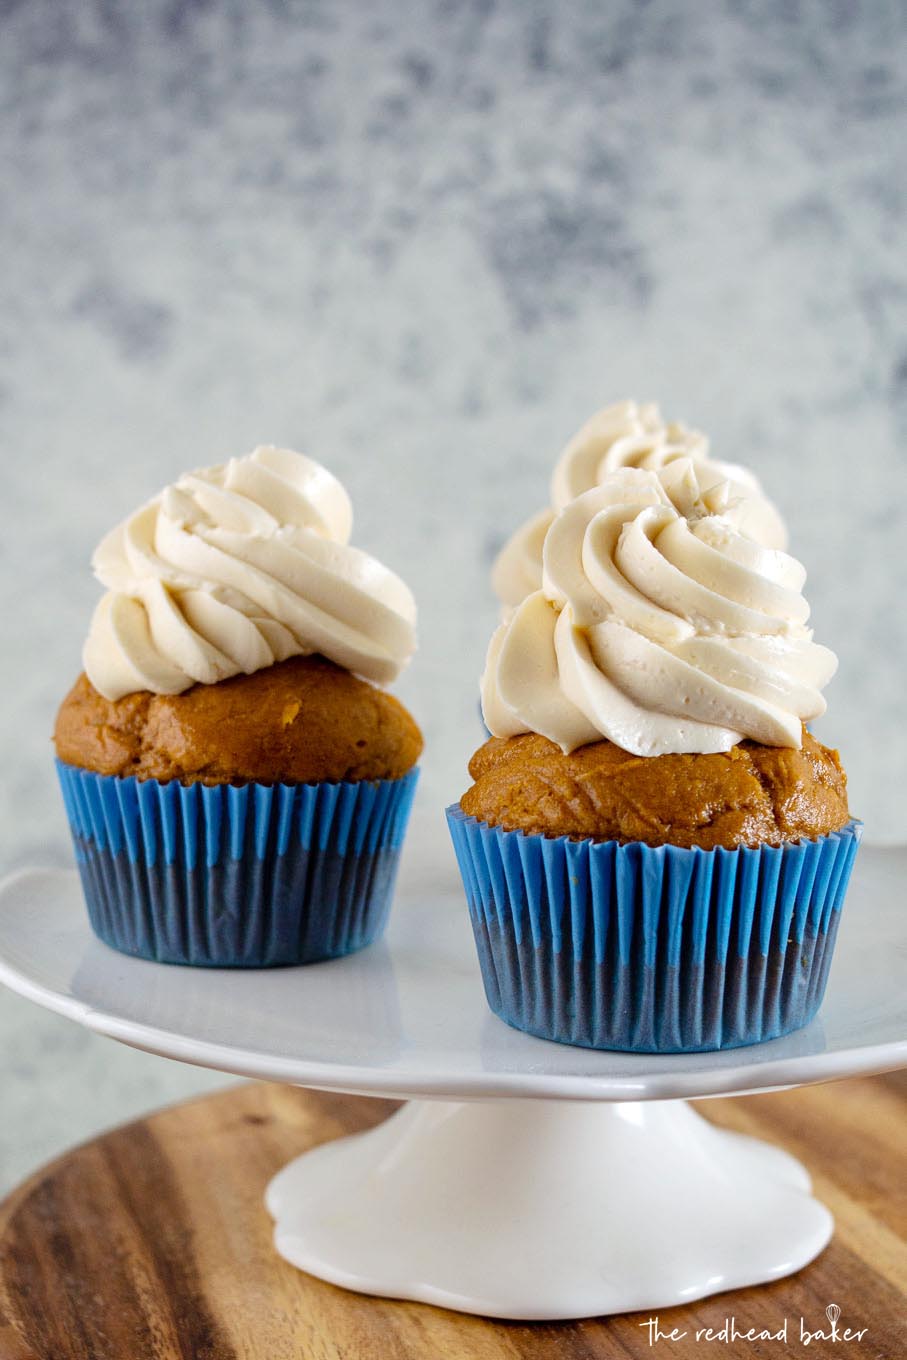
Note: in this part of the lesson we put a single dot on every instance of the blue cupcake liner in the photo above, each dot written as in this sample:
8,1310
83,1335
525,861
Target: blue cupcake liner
247,876
652,949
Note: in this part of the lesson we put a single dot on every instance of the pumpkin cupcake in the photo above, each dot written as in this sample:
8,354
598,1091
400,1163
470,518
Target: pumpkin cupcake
655,849
237,784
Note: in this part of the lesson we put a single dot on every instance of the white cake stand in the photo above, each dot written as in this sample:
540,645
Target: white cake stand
523,1179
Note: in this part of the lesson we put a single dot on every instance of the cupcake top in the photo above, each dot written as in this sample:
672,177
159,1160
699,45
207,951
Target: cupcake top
235,567
634,435
661,625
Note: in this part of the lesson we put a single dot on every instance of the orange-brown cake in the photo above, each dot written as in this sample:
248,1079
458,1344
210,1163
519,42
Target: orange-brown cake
236,780
750,795
297,721
655,848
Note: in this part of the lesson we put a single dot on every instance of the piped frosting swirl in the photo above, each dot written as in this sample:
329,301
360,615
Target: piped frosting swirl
235,567
661,629
629,434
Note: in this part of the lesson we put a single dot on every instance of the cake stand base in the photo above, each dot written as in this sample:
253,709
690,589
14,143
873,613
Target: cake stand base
544,1209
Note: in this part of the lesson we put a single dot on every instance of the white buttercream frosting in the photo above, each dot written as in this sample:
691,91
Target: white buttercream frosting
659,628
630,434
235,567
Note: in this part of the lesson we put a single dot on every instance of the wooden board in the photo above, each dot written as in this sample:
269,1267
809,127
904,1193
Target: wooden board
152,1243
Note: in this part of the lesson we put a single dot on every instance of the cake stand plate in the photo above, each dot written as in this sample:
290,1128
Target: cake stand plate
525,1179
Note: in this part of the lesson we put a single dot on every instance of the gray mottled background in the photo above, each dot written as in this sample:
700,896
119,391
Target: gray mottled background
423,242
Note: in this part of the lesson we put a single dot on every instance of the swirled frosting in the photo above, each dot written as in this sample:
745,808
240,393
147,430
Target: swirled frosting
235,567
659,629
630,434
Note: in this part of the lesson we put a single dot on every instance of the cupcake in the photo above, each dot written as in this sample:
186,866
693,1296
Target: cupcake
630,434
655,849
236,781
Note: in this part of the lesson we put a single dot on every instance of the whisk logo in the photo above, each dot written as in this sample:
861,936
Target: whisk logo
833,1332
731,1332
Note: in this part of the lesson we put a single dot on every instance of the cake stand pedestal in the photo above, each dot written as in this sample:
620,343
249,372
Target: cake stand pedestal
547,1209
524,1179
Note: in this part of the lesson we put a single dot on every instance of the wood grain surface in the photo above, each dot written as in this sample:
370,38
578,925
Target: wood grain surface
152,1243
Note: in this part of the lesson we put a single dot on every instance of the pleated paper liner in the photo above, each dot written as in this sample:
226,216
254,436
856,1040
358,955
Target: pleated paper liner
243,876
652,949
